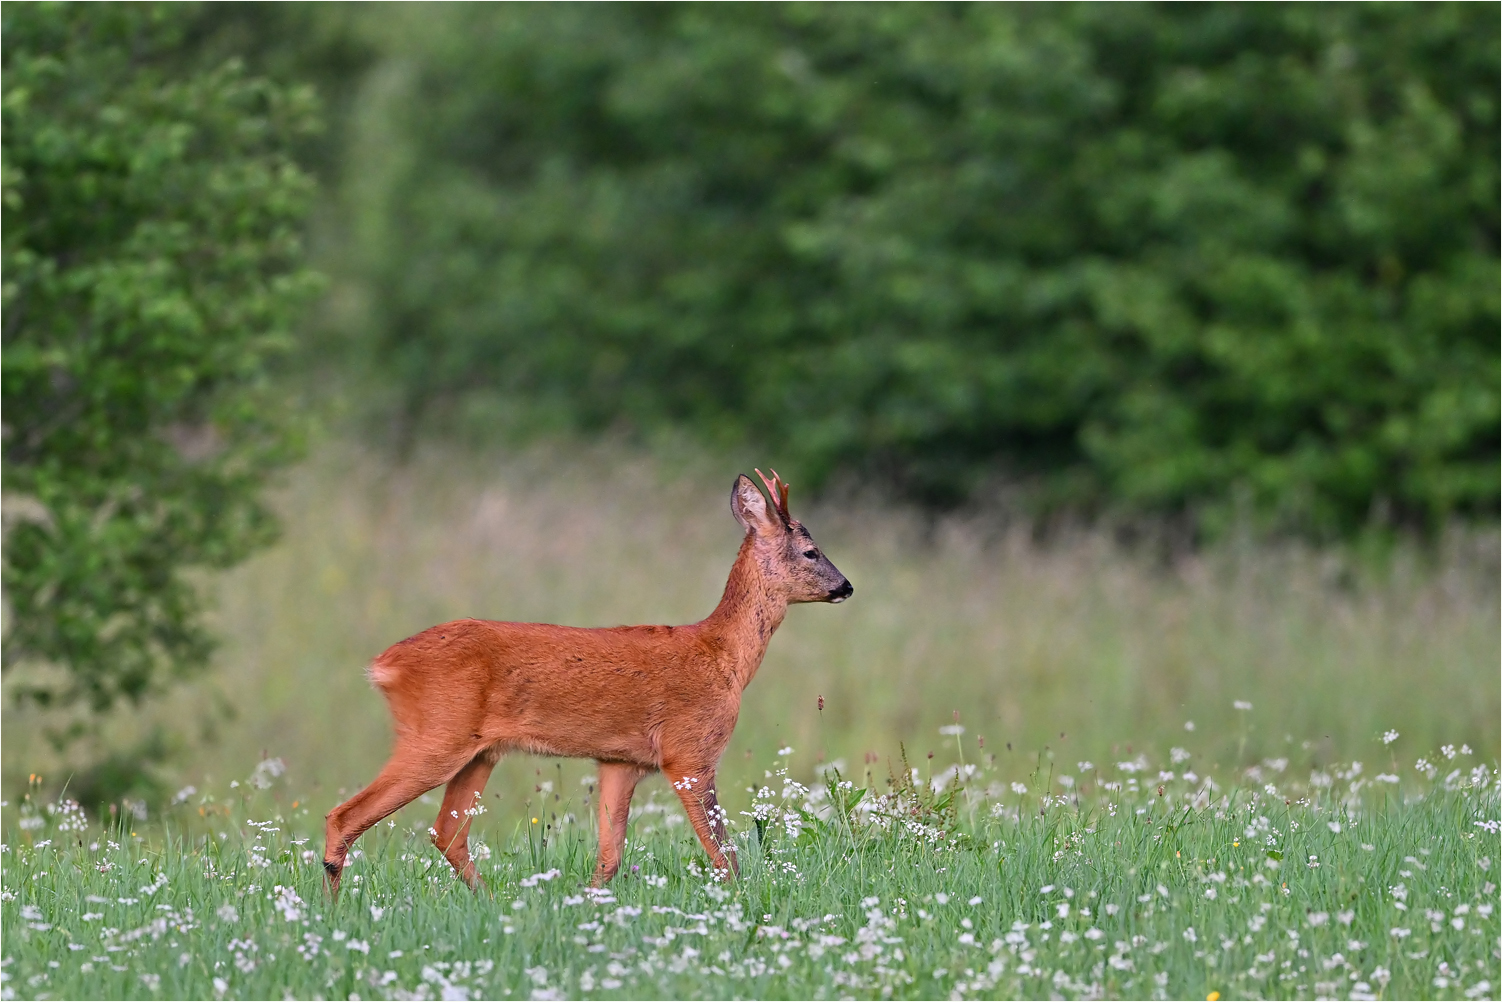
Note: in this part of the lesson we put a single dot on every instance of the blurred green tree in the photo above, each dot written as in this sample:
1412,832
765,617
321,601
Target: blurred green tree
152,261
1215,261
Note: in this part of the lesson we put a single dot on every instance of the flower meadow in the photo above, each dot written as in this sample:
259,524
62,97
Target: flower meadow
1140,878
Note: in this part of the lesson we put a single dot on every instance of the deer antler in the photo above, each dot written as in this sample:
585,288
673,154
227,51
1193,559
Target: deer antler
782,502
779,494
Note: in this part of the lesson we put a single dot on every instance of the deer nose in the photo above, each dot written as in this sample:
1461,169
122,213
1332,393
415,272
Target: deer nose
844,591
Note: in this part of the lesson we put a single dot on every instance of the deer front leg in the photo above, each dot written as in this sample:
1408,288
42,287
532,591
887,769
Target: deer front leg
696,790
617,782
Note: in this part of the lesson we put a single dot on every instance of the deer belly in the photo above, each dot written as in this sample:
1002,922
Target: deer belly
586,716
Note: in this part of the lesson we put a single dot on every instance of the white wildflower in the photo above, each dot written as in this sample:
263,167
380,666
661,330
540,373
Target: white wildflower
266,771
287,902
543,877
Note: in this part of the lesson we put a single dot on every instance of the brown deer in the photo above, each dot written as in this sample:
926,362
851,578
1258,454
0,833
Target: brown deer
637,699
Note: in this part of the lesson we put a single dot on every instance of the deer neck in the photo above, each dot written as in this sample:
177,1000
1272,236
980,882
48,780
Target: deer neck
748,614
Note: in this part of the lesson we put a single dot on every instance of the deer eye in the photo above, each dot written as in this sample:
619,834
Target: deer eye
811,554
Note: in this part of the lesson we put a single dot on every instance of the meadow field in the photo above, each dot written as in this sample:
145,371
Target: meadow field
1128,771
1067,643
1144,878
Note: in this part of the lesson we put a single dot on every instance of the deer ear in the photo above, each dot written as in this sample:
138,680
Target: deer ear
749,507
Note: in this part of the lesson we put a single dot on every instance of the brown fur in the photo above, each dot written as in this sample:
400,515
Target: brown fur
638,699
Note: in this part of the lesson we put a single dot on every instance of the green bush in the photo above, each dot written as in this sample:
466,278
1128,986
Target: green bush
152,258
1213,261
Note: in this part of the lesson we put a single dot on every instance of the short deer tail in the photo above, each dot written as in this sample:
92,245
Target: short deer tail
382,673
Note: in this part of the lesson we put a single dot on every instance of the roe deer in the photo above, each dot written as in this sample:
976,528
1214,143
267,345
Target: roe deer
637,699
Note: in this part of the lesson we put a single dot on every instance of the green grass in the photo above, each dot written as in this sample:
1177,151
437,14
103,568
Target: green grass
1055,652
1119,882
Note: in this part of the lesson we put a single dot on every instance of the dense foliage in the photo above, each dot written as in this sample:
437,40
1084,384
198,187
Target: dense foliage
1217,259
152,259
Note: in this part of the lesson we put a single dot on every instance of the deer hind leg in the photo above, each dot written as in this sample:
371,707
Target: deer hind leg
617,782
695,788
452,829
408,775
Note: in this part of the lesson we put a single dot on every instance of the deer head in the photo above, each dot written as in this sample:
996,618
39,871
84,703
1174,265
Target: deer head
788,556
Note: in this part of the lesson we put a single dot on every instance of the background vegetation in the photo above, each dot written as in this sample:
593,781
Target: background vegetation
1222,276
1078,648
1208,260
153,231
